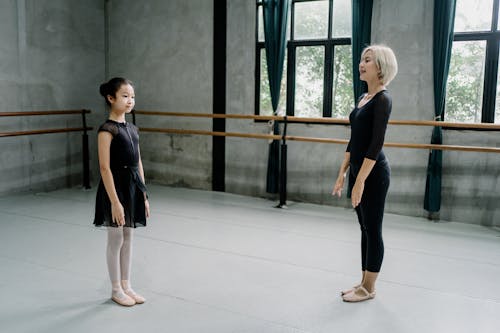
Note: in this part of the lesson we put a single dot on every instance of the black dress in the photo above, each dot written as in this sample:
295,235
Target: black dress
124,164
368,127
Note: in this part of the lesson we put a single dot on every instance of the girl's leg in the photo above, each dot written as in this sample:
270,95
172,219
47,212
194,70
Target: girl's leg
126,265
115,243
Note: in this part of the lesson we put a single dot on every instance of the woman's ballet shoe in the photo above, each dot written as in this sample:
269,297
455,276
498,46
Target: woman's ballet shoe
347,291
135,296
355,297
123,299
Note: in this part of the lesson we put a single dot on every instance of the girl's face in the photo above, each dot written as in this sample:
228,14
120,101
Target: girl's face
368,70
124,99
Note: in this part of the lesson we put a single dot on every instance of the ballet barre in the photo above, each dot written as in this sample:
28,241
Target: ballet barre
84,128
339,121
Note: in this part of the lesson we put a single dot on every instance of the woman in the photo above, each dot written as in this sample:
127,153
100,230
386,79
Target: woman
369,171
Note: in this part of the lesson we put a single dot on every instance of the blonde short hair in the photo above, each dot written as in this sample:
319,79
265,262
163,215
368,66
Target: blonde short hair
385,61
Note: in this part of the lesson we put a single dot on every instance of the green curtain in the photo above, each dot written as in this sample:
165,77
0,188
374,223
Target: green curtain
444,18
275,17
361,36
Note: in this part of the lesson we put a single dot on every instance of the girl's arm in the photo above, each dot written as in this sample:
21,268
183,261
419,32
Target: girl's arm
104,144
141,172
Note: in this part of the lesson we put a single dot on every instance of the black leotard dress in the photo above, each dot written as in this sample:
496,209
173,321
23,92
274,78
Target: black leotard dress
124,164
368,126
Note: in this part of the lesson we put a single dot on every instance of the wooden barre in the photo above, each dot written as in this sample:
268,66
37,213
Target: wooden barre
200,132
340,121
320,140
46,131
403,145
42,113
207,115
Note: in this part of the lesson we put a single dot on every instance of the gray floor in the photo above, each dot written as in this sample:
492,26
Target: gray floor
215,262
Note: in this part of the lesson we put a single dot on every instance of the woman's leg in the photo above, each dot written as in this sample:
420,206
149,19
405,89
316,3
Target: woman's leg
371,214
360,215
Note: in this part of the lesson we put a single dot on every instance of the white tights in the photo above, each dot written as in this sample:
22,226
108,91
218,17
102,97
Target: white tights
119,255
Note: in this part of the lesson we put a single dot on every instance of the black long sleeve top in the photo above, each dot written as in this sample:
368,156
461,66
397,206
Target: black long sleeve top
368,126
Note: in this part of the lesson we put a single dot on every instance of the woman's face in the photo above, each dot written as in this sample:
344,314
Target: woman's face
124,99
368,70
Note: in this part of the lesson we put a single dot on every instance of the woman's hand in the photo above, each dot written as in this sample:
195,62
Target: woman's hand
118,214
357,193
339,185
146,206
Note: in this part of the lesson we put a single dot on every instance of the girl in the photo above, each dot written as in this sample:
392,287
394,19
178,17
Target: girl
369,170
121,201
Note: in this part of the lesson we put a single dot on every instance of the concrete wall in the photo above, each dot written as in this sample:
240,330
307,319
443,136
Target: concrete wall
165,48
52,54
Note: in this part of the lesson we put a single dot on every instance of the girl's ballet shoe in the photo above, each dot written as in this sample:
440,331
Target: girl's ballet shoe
135,296
123,299
354,297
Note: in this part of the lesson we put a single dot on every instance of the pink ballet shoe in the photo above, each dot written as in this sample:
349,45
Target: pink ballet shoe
135,296
122,299
355,297
347,291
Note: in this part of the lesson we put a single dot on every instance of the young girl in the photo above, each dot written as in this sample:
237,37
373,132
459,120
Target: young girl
121,202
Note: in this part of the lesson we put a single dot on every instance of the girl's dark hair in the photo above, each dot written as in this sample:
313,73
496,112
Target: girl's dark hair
112,86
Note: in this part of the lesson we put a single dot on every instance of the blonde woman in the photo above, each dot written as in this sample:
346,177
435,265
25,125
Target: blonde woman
369,171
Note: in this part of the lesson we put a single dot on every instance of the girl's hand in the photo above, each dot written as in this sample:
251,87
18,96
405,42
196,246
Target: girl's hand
118,214
339,185
146,205
357,193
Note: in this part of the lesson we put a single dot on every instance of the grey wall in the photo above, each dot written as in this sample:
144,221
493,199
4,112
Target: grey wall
165,47
51,55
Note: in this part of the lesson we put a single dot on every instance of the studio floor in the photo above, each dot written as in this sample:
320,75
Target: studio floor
217,262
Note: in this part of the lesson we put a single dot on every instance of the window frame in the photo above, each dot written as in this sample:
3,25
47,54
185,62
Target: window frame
328,44
492,39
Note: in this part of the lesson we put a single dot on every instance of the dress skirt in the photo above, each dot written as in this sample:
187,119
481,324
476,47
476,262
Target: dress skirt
131,192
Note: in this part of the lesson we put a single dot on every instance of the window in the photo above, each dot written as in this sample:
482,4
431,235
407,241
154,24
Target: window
317,73
473,93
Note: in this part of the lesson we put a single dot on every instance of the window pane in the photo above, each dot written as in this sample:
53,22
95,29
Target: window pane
311,19
261,24
266,107
473,15
464,95
309,81
342,96
342,18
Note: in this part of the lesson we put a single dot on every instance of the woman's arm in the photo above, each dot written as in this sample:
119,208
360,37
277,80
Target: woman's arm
339,184
359,185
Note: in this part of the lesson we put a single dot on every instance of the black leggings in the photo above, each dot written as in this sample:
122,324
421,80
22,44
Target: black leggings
370,215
